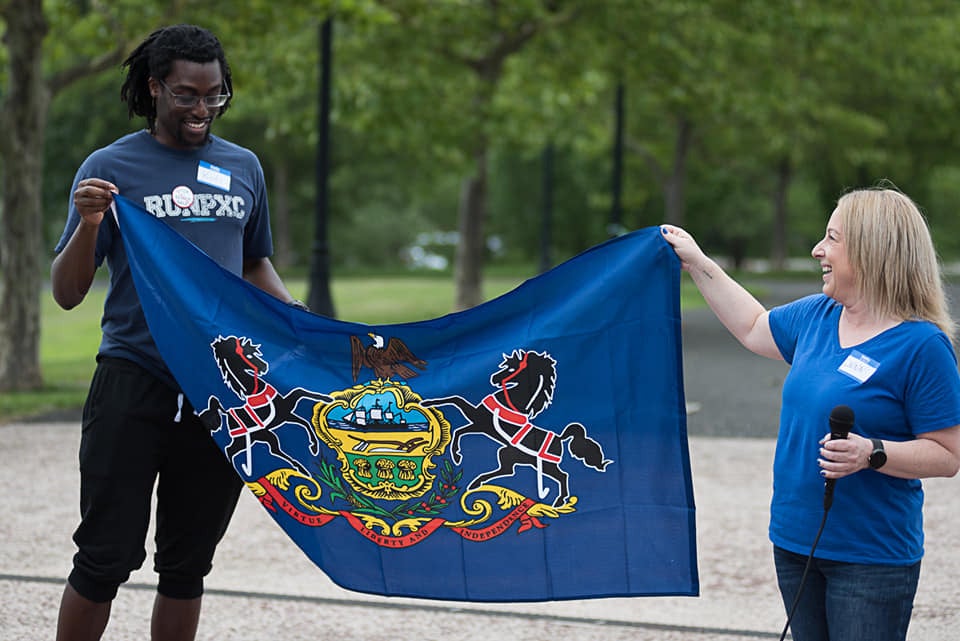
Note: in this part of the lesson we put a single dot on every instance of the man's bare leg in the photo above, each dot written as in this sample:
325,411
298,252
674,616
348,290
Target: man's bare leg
175,619
81,619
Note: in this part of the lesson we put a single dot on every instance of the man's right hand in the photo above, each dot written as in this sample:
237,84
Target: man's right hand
72,271
92,199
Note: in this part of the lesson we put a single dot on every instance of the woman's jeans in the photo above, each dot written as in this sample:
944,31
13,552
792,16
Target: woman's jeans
847,601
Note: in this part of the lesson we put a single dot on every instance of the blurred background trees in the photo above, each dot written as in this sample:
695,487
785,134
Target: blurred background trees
742,120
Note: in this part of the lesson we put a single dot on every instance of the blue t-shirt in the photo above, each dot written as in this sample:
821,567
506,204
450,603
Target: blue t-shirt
900,383
215,196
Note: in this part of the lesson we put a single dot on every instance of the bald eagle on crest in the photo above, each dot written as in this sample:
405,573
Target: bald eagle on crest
384,361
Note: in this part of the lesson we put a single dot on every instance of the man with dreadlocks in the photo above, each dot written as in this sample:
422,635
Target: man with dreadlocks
137,427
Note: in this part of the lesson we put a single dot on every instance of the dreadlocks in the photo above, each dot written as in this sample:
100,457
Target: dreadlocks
155,56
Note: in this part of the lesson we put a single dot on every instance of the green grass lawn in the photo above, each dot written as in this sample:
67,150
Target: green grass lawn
69,339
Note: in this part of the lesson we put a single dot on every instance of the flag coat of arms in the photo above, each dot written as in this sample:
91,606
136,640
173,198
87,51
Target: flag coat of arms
531,448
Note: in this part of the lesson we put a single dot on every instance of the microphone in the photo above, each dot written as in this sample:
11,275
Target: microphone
841,420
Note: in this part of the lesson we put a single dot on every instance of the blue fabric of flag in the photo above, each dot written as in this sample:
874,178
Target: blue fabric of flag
531,448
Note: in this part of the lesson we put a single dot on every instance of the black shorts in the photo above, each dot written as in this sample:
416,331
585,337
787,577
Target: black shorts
132,439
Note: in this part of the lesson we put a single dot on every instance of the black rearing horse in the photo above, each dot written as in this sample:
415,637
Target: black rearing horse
525,383
265,409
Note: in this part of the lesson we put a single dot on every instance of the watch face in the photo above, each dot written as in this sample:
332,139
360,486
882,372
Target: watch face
877,459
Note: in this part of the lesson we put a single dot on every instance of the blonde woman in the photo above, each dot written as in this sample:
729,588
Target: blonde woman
878,339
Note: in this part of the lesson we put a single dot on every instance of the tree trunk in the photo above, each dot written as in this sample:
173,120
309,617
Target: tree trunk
778,251
673,190
280,214
22,127
472,216
320,296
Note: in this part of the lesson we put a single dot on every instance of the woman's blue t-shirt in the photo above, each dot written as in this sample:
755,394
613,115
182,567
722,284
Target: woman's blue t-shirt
900,383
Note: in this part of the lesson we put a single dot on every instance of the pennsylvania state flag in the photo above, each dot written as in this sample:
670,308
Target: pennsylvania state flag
532,448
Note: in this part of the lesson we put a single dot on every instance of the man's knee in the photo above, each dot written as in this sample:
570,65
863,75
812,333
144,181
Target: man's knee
93,588
182,588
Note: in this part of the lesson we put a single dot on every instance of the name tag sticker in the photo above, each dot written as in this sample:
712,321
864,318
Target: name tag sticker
214,176
859,366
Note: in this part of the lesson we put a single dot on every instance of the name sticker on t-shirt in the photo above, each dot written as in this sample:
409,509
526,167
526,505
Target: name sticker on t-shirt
859,366
212,175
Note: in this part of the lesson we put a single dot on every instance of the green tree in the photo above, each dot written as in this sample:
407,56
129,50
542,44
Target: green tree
435,76
85,40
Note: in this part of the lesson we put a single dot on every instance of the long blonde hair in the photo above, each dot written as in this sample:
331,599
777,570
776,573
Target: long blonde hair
896,264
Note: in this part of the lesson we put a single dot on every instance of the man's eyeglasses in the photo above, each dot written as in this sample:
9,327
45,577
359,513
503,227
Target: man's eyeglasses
187,101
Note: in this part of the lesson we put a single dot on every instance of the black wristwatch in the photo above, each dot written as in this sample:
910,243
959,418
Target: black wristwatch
878,457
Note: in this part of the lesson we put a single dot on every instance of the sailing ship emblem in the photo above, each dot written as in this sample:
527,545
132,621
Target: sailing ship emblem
384,438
